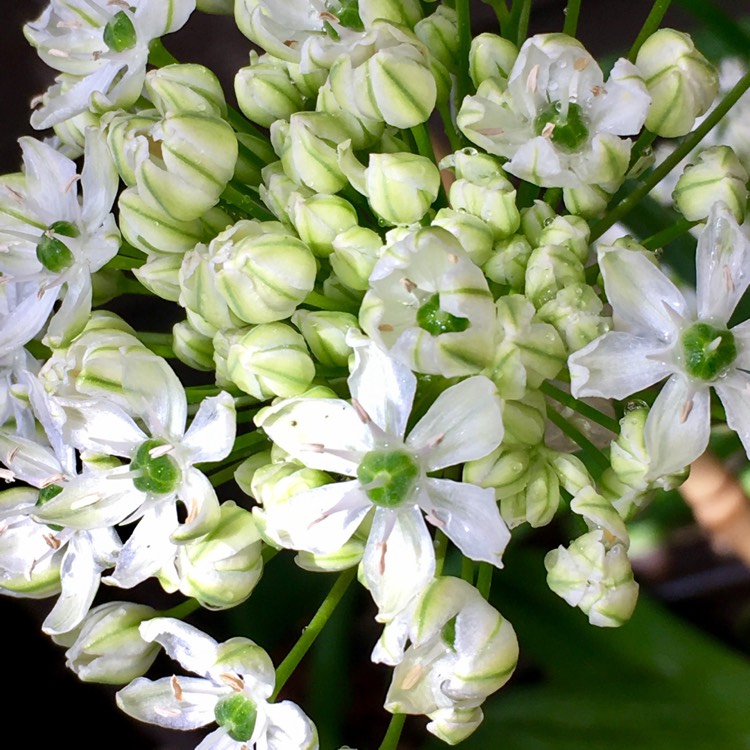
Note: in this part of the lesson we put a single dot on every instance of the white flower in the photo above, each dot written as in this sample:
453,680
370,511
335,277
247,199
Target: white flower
557,121
659,334
365,440
101,48
236,680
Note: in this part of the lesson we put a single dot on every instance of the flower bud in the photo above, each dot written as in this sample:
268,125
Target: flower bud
270,360
491,56
186,87
570,470
404,12
320,218
681,82
474,234
332,562
261,270
505,470
277,190
192,348
439,33
717,176
325,334
454,725
550,269
534,219
572,232
576,313
507,264
588,201
160,275
246,470
265,91
594,574
364,133
524,420
354,255
221,569
107,646
538,502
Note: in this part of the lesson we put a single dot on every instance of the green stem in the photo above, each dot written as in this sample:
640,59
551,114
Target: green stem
523,21
182,610
463,81
467,570
424,147
627,205
454,136
313,630
225,475
158,343
572,11
526,194
392,736
124,263
321,302
581,407
484,579
667,235
644,140
593,454
552,196
246,203
159,55
441,547
650,25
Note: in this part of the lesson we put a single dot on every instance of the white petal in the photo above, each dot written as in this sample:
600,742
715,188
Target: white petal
468,515
322,433
75,310
288,728
99,180
399,559
741,335
184,643
50,177
463,424
722,266
26,318
677,427
618,364
199,497
105,428
734,392
211,434
538,162
623,108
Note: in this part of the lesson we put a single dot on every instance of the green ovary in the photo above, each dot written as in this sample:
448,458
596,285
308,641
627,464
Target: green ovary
434,320
708,351
568,130
237,714
388,477
119,33
159,474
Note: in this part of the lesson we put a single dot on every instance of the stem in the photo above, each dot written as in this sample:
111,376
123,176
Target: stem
181,610
484,579
523,21
392,736
441,547
159,55
580,406
463,81
246,203
572,11
593,454
667,235
424,147
467,570
321,302
552,196
526,194
645,139
626,206
225,475
313,630
454,136
650,25
158,343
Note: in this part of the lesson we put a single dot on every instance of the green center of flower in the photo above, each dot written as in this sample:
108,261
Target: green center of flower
51,251
119,33
434,320
567,130
237,714
388,477
347,13
45,495
709,351
159,472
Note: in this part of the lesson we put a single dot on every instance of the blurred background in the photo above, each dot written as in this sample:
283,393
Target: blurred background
676,677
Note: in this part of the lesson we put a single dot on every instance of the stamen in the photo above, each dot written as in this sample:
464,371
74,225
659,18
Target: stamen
728,280
167,713
361,413
582,63
385,327
687,407
7,475
72,181
452,258
52,541
412,677
160,450
58,52
435,441
176,687
193,511
532,80
383,550
408,284
598,90
86,501
233,681
547,130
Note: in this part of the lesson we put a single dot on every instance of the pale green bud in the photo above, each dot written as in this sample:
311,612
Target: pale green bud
550,269
354,255
507,264
107,647
476,167
270,360
599,513
363,132
192,348
343,558
160,274
246,470
340,295
265,91
594,574
588,201
524,420
576,314
221,569
198,154
626,499
320,218
534,219
404,12
570,470
129,141
681,82
717,176
72,132
325,334
491,56
474,234
570,231
307,148
261,270
439,33
538,502
505,469
454,725
277,190
189,87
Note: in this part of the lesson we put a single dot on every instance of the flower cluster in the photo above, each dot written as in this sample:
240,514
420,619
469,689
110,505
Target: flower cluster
390,354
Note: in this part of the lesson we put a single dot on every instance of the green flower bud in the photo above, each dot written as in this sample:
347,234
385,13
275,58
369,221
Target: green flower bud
550,269
717,176
107,647
246,470
493,201
524,420
320,218
160,275
325,334
576,313
594,574
307,148
346,557
270,360
474,234
588,201
192,348
404,12
221,569
491,56
177,89
277,190
265,91
454,725
505,469
261,270
354,255
534,219
364,133
681,82
538,502
571,232
72,132
130,140
507,264
439,33
571,471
